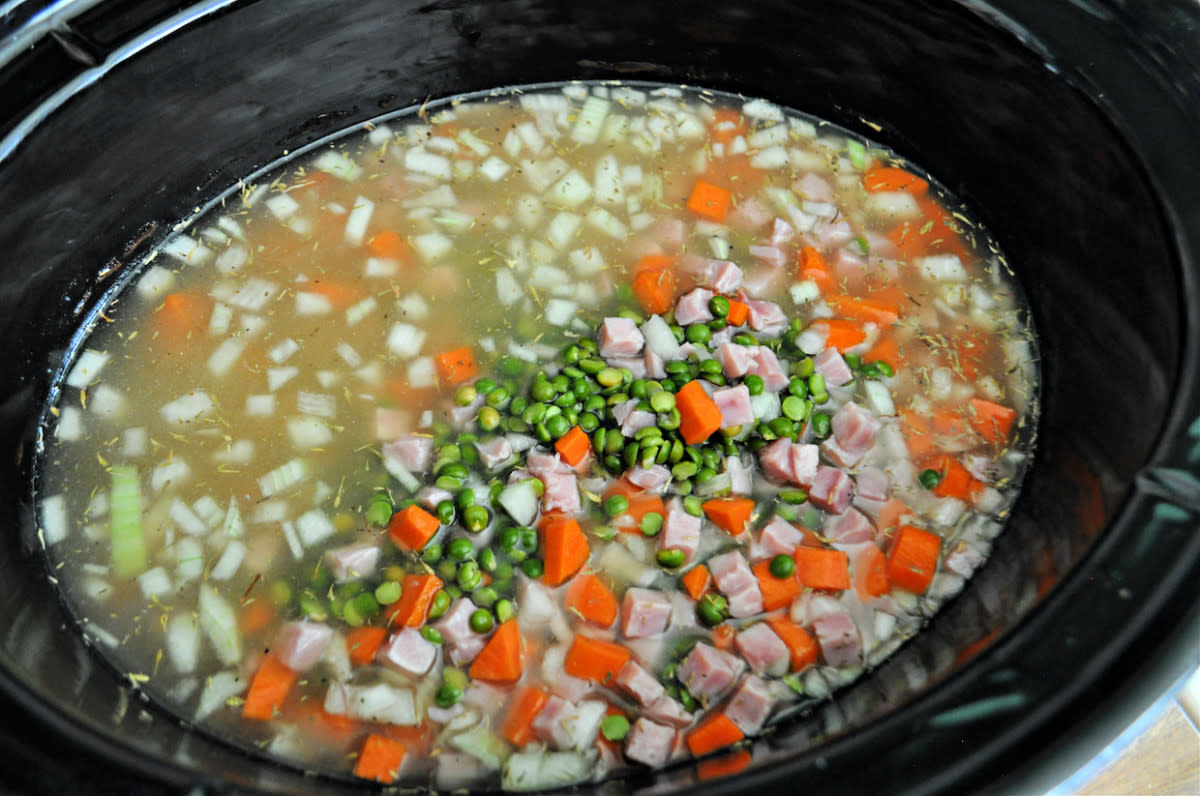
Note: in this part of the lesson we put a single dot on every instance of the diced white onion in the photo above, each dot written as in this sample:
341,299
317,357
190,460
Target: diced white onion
226,355
360,310
284,477
405,340
187,250
187,408
183,642
87,368
338,164
187,521
314,527
54,525
283,350
219,623
155,283
307,433
154,582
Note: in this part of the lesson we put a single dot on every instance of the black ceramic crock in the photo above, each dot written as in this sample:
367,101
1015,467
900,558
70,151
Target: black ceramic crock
1071,128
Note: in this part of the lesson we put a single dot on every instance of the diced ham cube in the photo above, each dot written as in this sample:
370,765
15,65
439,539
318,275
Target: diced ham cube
830,364
636,421
872,483
814,188
635,365
619,337
494,452
652,479
831,490
781,232
681,531
736,360
407,651
666,710
766,366
553,723
708,672
301,644
649,743
724,276
462,418
641,686
964,560
750,704
542,464
655,367
763,649
462,643
849,527
771,255
353,561
644,612
734,403
766,317
790,462
780,537
747,602
731,573
741,477
838,636
431,496
562,493
835,453
411,452
854,428
693,307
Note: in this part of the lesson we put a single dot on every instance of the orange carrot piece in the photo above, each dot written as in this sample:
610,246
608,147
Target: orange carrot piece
380,759
890,178
870,573
595,660
776,592
727,124
822,568
589,598
655,289
416,595
500,660
918,433
710,201
255,615
268,690
886,349
956,481
802,647
181,315
731,514
411,528
815,268
699,415
913,558
866,310
841,333
932,234
573,445
739,312
340,294
715,732
696,581
654,262
992,421
455,367
362,642
389,245
517,726
723,765
641,503
723,637
890,516
565,549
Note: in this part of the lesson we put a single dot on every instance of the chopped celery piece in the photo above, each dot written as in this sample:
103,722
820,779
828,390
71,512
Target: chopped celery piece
128,544
219,623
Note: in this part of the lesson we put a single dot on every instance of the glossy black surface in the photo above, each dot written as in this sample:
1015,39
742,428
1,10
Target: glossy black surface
1070,129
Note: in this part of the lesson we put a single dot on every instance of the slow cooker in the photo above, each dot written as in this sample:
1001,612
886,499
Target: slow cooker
1070,128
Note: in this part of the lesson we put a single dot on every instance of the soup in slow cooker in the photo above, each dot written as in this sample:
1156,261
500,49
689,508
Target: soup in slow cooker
534,436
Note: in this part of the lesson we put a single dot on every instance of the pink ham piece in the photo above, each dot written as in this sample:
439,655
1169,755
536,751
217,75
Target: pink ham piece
681,531
494,452
655,367
771,255
353,561
649,743
813,187
553,723
651,479
964,560
763,649
638,684
542,464
692,307
854,428
407,651
666,710
644,612
873,483
750,704
707,672
833,234
463,417
736,360
766,366
619,337
635,365
411,452
766,317
780,537
830,364
849,527
838,636
741,477
790,462
831,490
636,421
562,493
462,643
734,403
736,581
301,644
724,276
781,233
431,496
